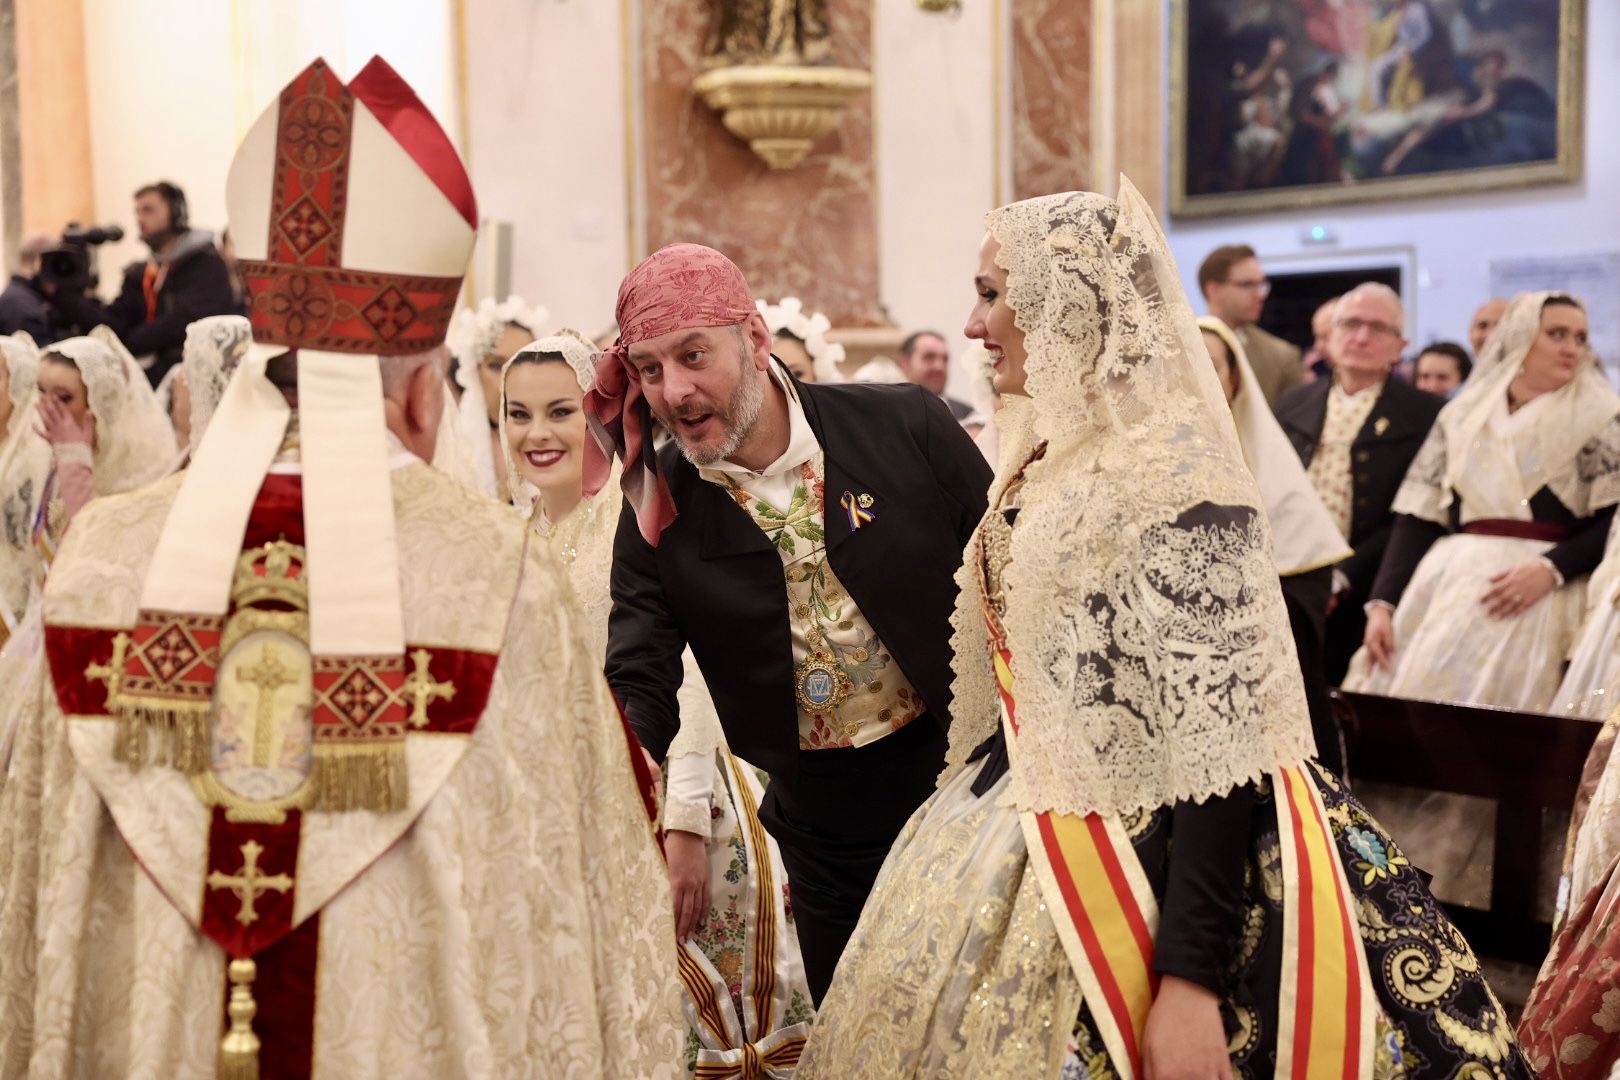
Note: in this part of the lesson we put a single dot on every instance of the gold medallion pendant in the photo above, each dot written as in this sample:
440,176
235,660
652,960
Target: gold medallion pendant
820,683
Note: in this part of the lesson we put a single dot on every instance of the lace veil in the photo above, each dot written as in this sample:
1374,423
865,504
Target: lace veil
1151,650
584,540
134,439
1571,418
214,347
25,462
473,335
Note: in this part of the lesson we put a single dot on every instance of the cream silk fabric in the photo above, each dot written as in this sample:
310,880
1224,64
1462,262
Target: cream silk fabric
1149,639
519,925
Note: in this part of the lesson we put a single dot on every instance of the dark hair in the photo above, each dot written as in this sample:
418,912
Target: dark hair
909,346
1218,263
175,197
1446,348
786,333
532,357
1562,300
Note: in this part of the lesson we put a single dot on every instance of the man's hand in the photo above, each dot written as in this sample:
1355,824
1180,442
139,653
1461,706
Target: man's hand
1184,1038
1379,637
688,857
57,426
1514,591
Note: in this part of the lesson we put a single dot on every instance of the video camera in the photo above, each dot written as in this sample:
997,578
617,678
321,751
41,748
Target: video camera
69,266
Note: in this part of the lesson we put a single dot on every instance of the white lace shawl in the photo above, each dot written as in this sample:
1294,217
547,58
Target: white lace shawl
473,335
25,462
214,347
134,439
1576,444
584,540
1151,650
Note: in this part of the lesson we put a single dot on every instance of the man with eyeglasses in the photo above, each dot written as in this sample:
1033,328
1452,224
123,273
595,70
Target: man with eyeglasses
1235,291
1357,433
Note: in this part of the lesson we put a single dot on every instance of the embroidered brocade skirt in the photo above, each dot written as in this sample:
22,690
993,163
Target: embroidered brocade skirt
956,969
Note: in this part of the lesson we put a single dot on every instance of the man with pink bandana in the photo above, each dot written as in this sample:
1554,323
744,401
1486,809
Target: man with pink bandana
804,540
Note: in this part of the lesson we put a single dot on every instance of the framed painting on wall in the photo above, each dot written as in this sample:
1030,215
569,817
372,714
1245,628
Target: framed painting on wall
1282,104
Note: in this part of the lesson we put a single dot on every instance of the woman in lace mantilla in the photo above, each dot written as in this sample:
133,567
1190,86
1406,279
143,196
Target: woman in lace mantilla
1481,594
710,798
1502,516
1125,676
107,431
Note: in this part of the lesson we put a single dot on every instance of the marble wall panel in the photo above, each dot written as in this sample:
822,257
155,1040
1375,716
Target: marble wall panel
810,231
1051,98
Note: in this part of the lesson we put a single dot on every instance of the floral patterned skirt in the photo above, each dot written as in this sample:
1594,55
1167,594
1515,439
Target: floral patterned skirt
730,927
956,969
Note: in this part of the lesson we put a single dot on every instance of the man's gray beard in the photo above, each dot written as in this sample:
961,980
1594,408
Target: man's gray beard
744,408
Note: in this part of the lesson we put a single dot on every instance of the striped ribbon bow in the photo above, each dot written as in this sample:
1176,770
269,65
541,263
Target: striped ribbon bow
858,514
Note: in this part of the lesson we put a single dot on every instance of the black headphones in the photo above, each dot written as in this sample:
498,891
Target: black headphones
179,215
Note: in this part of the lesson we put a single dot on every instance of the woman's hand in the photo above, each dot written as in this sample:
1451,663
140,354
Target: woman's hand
688,857
1184,1038
1514,591
1379,637
57,426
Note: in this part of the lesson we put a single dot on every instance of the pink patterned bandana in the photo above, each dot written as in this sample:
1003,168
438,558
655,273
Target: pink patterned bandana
679,287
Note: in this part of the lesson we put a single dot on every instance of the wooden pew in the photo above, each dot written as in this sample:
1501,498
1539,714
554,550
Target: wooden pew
1524,761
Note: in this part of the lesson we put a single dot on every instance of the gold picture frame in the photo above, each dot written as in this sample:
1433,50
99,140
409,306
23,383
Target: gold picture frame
1221,176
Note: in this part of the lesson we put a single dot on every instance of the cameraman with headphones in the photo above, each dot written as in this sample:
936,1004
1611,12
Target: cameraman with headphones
184,280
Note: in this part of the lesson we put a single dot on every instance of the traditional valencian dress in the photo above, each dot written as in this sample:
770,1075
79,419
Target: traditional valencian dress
741,969
46,486
1129,791
1491,490
319,778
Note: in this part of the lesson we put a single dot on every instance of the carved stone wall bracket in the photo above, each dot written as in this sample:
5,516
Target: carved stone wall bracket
780,110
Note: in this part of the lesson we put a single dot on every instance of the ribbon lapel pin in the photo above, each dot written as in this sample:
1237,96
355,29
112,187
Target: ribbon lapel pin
858,509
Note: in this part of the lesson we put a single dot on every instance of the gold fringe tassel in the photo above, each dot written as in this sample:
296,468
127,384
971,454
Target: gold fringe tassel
239,1049
360,778
163,733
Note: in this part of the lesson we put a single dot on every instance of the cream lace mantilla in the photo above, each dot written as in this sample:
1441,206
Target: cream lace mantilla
1572,448
1151,651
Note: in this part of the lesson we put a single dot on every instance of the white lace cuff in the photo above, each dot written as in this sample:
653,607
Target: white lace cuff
1558,575
689,796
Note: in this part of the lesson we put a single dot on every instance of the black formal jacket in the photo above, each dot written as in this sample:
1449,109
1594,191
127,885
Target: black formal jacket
1385,446
716,583
197,285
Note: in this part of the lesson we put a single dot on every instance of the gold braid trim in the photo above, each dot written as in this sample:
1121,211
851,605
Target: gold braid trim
163,732
360,778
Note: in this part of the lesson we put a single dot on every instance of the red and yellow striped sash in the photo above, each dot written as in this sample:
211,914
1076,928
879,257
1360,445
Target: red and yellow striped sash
751,1043
1325,1013
1106,917
1104,910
